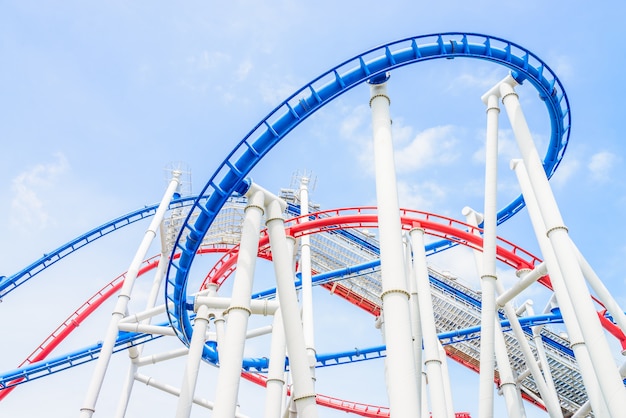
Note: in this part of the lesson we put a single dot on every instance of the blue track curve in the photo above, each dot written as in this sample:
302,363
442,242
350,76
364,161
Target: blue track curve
230,175
10,283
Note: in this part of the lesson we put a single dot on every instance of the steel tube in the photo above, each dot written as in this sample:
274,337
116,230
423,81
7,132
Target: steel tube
120,310
303,389
238,312
488,275
401,381
432,359
307,284
577,342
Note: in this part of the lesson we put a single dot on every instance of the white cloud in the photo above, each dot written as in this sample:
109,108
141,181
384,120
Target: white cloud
566,170
507,148
434,146
420,196
355,123
600,165
28,208
562,65
198,68
208,60
274,90
484,79
244,69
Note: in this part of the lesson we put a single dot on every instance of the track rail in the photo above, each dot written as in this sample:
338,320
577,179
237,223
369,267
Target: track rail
10,283
229,176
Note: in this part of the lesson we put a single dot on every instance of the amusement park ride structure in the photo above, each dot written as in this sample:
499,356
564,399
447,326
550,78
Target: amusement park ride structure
424,315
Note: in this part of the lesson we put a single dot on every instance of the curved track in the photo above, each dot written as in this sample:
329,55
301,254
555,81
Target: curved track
229,176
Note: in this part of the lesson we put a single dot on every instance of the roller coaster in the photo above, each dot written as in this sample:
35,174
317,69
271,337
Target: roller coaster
375,258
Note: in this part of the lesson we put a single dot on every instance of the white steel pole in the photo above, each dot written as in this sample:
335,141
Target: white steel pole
577,342
307,284
238,313
541,351
446,380
488,277
611,384
402,385
190,377
508,385
135,352
601,291
585,409
416,325
303,389
525,281
276,370
432,360
121,307
549,396
551,401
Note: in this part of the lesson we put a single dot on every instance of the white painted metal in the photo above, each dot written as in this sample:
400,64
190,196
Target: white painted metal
93,391
488,275
192,366
549,398
432,359
263,307
401,383
585,409
157,358
307,285
446,380
525,281
541,353
303,389
610,383
577,342
274,392
135,352
601,291
514,407
232,347
416,325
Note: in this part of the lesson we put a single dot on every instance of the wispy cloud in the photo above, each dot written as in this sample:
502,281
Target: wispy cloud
28,206
434,146
507,148
484,79
420,195
600,165
567,169
244,69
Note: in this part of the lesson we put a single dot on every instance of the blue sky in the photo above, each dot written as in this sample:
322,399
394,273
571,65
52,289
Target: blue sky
96,99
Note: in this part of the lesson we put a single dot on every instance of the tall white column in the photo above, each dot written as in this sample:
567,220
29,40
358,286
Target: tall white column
611,384
135,352
303,389
275,385
238,313
192,366
93,391
416,322
401,385
488,275
432,359
549,397
307,284
577,341
508,386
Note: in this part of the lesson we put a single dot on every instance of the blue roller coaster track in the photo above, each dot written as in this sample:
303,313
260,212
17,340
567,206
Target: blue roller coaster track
229,178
